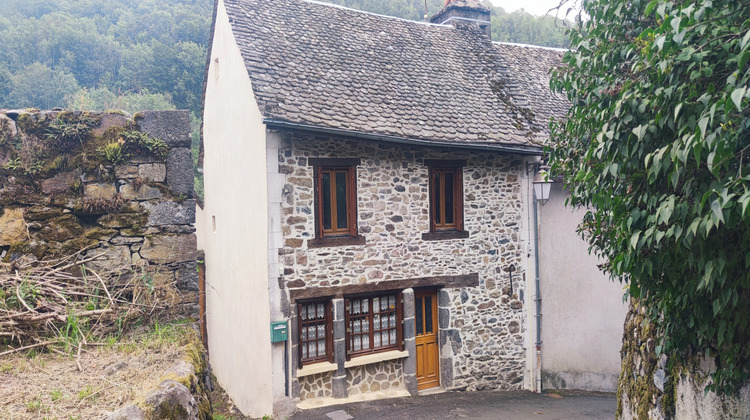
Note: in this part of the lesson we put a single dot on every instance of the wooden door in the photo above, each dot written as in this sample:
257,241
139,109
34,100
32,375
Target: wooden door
426,319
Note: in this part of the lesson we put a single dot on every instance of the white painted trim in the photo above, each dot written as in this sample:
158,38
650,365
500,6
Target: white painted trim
375,358
321,367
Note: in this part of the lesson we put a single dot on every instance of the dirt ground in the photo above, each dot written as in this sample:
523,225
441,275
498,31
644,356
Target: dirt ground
49,385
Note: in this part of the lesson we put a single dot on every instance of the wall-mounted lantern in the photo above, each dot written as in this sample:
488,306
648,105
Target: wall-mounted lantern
542,182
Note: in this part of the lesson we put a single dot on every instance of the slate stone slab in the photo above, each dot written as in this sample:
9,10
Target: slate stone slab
180,172
172,127
170,213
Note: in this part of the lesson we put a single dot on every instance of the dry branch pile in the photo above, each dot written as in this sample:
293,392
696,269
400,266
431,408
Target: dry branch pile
67,302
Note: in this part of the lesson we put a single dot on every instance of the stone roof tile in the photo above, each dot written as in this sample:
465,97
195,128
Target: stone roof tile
340,68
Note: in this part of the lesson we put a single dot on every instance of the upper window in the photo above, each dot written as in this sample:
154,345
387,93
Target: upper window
315,332
335,202
446,195
374,324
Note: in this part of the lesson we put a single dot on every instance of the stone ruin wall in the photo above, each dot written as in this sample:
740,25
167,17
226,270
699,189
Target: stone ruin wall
482,328
104,183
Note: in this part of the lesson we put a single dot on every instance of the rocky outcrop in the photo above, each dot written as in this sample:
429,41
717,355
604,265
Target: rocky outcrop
100,184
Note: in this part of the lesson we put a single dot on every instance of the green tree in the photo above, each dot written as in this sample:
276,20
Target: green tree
39,85
656,146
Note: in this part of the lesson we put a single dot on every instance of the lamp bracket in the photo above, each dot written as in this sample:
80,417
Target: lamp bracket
533,167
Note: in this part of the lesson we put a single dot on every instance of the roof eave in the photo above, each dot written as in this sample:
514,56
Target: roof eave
309,128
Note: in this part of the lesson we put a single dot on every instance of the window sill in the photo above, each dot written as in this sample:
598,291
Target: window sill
315,368
375,358
445,235
331,242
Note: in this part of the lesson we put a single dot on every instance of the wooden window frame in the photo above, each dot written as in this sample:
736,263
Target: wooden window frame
328,320
454,167
333,236
399,310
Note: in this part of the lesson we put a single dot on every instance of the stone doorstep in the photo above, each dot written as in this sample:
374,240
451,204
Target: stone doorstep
368,396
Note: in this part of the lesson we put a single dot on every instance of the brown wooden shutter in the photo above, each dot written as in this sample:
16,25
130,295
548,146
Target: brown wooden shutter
299,336
352,200
318,202
400,321
431,176
329,330
346,329
458,199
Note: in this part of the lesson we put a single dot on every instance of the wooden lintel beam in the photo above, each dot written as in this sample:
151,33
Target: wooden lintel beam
463,280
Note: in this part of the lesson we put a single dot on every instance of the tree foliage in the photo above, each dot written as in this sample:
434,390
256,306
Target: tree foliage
118,45
657,146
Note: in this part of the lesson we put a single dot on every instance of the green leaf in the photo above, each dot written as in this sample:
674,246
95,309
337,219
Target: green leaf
717,210
737,96
745,41
677,110
634,239
639,131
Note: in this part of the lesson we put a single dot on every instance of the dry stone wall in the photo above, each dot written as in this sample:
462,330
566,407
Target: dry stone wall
482,342
100,184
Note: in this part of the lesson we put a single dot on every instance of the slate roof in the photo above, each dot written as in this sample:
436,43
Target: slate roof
331,67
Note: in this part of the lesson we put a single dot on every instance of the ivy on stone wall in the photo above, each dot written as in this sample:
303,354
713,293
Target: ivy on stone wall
656,145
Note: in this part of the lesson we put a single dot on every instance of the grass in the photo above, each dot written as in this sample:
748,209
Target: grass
37,384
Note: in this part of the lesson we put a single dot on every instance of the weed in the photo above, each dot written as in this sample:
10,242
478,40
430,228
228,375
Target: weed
113,152
142,142
13,164
65,131
6,367
76,188
55,394
85,392
34,405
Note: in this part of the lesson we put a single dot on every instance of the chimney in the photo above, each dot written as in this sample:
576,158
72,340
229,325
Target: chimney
464,14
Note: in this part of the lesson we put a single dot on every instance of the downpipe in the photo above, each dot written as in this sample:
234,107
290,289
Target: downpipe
538,302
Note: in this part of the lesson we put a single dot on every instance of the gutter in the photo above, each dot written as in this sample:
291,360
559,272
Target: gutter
517,149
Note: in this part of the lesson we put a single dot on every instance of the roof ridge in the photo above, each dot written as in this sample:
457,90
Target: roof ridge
338,6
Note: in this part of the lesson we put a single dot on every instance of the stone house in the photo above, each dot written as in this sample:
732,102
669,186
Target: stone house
368,184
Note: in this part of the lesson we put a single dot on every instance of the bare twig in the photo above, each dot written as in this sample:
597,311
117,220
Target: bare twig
31,346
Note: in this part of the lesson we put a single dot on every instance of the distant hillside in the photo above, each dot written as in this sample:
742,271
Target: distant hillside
90,52
150,54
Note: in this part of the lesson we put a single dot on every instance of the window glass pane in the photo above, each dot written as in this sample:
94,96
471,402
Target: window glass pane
418,307
437,190
341,199
321,347
448,197
376,340
393,337
428,314
326,199
304,351
365,341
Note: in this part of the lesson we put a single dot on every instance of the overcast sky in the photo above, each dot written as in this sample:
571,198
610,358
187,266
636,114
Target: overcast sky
534,7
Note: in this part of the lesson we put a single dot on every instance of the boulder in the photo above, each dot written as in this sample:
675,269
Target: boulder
129,412
172,400
13,227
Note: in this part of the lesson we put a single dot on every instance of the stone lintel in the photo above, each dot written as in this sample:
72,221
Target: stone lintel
461,280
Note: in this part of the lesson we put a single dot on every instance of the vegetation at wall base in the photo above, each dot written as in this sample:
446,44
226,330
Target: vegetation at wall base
656,146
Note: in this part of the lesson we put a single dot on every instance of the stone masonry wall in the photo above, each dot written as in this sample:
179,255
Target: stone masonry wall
315,386
483,336
375,377
101,183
